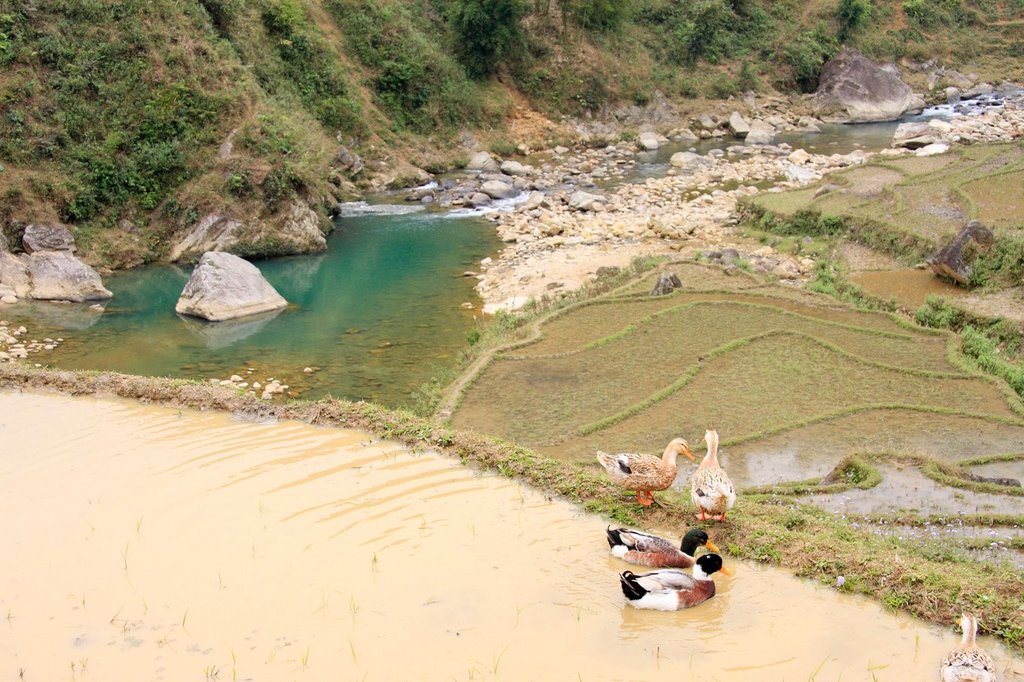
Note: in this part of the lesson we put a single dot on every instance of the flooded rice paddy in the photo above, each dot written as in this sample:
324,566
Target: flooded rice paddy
909,287
156,544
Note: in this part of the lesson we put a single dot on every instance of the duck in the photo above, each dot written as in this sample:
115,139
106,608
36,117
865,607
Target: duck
672,590
968,662
710,487
644,473
643,549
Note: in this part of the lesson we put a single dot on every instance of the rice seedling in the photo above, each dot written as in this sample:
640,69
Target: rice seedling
817,670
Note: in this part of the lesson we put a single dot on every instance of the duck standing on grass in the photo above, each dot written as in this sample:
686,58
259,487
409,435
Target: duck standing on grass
644,473
643,549
671,590
968,662
710,488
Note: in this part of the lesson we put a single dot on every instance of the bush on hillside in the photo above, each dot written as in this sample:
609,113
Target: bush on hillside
600,15
419,85
487,33
311,66
806,54
935,13
853,15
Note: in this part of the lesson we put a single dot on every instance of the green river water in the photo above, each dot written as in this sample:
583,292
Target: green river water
374,316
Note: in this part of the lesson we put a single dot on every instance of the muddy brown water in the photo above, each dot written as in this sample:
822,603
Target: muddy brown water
145,543
909,287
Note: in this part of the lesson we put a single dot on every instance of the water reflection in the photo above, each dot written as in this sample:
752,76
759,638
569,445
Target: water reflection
223,334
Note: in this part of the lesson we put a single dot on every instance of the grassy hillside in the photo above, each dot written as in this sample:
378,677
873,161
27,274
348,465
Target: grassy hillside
113,114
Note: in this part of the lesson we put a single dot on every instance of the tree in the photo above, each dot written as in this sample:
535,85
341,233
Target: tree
487,32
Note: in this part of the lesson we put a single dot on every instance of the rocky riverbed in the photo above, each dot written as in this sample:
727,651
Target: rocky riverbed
557,240
15,343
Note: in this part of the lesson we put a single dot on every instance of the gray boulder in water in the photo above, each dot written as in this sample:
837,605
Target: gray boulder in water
666,284
853,89
59,276
956,260
224,286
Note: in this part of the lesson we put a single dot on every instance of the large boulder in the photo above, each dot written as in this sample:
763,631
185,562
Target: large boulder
648,140
666,284
294,231
853,89
482,161
224,286
14,274
688,160
39,237
914,134
60,276
496,189
738,125
513,168
760,133
584,201
956,260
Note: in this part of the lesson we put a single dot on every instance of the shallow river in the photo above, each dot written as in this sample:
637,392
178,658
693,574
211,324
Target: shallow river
148,543
375,315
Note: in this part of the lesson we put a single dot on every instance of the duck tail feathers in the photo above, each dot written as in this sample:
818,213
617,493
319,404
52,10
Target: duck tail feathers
631,588
614,536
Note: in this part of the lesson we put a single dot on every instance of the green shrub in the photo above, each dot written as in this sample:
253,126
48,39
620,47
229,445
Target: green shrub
487,32
935,13
985,352
222,12
806,54
853,15
939,314
418,85
601,15
311,67
722,85
1002,263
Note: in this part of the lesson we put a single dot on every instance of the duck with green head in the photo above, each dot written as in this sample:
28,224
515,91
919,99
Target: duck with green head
644,549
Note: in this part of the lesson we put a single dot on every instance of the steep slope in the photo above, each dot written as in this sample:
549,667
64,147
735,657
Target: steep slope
152,125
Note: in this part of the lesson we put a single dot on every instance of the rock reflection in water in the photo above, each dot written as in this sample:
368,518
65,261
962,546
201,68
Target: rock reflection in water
72,316
227,332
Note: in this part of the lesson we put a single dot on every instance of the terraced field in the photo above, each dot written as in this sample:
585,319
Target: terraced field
913,205
795,384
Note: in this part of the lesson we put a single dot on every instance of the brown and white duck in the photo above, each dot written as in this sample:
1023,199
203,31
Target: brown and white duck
644,549
644,473
672,590
968,662
710,487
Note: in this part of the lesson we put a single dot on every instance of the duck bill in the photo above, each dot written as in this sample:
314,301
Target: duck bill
686,451
725,570
711,546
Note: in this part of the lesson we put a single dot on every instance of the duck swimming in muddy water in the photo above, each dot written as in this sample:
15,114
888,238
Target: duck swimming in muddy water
968,662
672,590
644,473
710,487
644,549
